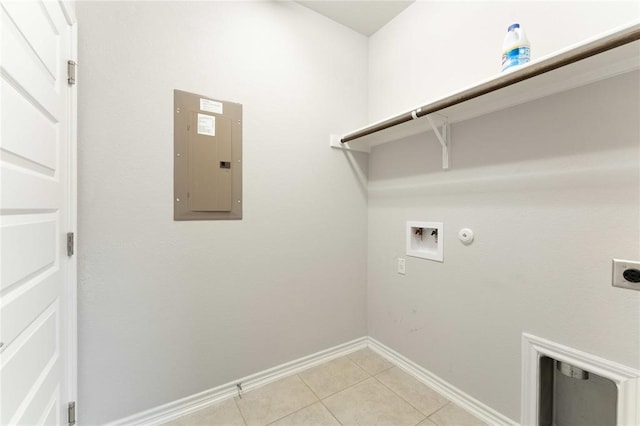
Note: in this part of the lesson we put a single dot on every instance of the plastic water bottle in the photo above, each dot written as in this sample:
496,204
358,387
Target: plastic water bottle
515,48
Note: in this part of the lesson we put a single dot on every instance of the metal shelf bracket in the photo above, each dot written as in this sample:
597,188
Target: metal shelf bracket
439,124
443,133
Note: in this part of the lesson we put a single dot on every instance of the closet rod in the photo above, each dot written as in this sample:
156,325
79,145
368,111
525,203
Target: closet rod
617,39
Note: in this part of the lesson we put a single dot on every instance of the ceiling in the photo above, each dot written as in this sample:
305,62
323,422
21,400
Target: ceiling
364,16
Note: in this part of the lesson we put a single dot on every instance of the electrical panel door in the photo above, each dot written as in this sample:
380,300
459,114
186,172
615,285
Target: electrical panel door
207,158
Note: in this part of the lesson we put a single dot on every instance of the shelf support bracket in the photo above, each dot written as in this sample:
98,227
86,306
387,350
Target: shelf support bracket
443,134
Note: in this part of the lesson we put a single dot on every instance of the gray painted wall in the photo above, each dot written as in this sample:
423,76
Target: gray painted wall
549,187
168,309
434,48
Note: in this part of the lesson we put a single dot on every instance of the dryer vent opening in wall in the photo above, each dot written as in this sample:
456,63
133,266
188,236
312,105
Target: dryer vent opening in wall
565,386
572,396
425,240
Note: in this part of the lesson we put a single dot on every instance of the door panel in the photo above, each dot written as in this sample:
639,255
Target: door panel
35,198
26,188
15,110
22,307
30,359
38,240
35,23
26,70
48,397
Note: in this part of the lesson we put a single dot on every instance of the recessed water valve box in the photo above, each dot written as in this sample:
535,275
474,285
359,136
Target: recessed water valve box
626,274
425,240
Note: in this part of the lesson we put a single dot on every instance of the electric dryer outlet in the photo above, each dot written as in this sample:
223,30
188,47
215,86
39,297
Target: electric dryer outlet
626,274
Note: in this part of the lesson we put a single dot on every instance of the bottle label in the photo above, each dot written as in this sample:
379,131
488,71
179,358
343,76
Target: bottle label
516,56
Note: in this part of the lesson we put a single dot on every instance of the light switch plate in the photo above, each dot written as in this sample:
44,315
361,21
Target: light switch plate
619,267
401,266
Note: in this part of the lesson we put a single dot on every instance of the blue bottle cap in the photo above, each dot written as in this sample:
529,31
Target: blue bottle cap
513,26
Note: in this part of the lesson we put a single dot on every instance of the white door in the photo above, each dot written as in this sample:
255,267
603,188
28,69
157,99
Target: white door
37,209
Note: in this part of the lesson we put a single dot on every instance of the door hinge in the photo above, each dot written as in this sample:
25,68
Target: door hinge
71,72
71,418
70,244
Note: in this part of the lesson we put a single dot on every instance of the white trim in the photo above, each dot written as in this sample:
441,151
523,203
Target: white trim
72,225
627,379
455,395
190,404
68,10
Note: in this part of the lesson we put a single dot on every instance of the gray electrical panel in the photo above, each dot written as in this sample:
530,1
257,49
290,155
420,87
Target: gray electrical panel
207,167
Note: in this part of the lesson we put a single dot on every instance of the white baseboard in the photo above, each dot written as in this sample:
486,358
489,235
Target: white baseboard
190,404
455,395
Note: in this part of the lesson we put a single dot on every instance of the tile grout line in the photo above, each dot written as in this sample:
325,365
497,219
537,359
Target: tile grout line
301,408
320,400
368,376
416,408
375,374
449,402
438,410
358,366
240,411
330,412
420,411
408,402
314,394
350,386
427,415
401,397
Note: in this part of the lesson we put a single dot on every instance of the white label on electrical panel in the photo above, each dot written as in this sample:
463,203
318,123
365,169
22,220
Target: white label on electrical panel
206,125
210,106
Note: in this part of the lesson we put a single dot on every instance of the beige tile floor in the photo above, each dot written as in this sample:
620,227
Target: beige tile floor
361,388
